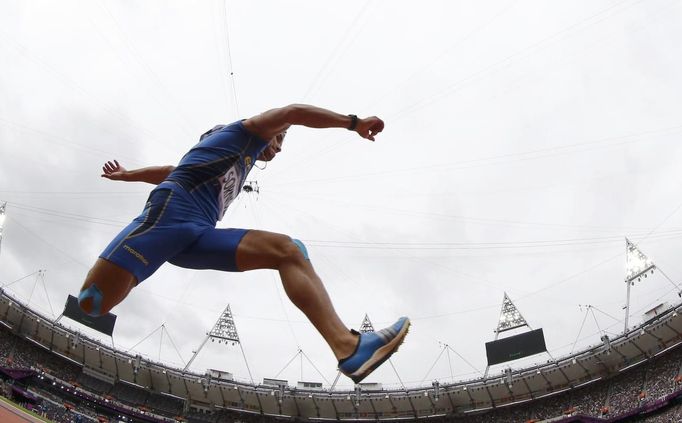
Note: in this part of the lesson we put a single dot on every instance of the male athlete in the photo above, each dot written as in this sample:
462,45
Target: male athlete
178,222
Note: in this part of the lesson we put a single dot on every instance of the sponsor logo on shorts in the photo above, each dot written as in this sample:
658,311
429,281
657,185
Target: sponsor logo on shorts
136,254
248,162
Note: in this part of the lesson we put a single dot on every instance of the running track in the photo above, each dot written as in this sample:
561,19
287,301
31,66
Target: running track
11,414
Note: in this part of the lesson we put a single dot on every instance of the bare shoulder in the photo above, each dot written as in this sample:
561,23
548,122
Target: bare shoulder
270,123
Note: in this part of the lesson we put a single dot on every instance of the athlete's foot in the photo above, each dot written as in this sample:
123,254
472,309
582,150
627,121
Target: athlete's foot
373,348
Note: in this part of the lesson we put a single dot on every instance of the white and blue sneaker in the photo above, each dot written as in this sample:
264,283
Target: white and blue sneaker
373,349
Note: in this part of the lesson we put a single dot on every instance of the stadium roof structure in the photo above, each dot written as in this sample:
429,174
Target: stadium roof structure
205,391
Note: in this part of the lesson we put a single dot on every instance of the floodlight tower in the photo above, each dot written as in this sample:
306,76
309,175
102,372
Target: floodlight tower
637,265
224,331
510,318
2,219
366,325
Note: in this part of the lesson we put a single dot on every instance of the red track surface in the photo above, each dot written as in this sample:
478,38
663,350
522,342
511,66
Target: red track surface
11,414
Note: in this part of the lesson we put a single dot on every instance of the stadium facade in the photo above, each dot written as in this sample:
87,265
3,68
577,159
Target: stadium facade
216,392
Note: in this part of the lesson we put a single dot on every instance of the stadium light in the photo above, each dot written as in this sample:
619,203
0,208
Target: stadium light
224,332
636,263
2,220
607,342
510,317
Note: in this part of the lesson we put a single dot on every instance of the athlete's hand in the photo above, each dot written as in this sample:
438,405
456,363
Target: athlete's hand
114,171
369,127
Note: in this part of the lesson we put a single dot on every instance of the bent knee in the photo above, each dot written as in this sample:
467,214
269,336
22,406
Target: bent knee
90,301
267,250
301,246
292,250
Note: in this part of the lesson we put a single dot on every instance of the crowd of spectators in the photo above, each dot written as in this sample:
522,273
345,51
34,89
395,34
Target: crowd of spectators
663,376
625,390
11,355
165,405
590,400
608,398
18,353
51,407
671,415
94,385
129,394
194,416
132,395
58,413
231,416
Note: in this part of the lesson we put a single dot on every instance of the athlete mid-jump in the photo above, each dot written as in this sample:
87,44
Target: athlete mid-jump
178,222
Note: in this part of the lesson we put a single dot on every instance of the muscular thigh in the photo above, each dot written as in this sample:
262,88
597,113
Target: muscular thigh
265,250
237,250
215,249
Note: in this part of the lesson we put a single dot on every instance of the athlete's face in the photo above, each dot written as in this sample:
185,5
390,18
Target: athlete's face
274,147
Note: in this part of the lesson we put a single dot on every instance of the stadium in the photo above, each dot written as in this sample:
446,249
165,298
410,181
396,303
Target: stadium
45,363
521,206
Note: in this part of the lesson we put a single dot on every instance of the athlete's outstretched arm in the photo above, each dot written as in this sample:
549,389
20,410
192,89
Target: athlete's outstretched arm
270,123
152,174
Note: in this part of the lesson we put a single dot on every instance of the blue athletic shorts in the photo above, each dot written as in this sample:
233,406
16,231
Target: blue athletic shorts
172,228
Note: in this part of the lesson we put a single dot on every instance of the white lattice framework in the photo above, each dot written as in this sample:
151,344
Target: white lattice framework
637,265
2,220
224,328
225,331
510,316
366,325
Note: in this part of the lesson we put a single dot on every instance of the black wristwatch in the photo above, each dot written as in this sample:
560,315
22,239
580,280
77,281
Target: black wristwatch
353,122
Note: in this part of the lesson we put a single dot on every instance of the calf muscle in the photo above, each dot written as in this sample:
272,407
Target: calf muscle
113,282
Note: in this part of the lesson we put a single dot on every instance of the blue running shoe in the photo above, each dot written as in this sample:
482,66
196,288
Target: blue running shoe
373,349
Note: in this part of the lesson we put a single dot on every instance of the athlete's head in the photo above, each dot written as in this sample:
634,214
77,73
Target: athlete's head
274,147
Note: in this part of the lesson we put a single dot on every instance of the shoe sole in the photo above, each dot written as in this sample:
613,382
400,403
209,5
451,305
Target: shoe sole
380,355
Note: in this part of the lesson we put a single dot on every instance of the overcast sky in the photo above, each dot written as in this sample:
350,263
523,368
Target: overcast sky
524,140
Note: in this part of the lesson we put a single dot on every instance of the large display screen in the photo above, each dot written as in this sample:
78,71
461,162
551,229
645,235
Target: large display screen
104,324
517,346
